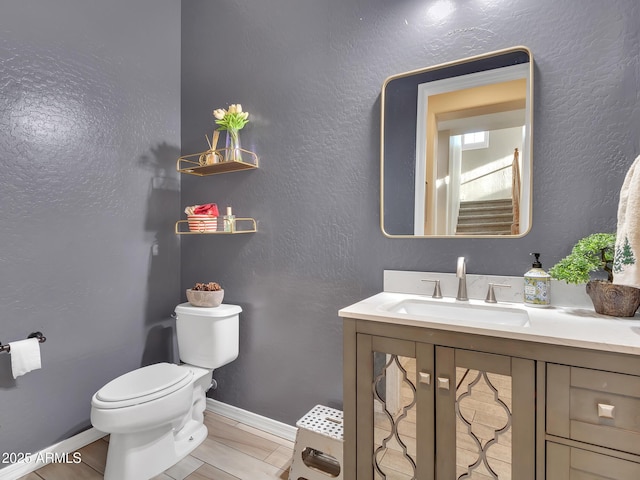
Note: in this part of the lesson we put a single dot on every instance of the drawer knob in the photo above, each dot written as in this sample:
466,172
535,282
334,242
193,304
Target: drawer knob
425,378
605,411
443,383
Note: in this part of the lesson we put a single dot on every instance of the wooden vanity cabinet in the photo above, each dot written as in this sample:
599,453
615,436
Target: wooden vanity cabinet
574,413
595,416
435,410
573,463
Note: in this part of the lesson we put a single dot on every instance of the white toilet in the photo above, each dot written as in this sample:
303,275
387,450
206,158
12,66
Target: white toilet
155,413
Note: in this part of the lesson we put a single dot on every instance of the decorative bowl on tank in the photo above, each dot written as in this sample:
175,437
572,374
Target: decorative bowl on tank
205,295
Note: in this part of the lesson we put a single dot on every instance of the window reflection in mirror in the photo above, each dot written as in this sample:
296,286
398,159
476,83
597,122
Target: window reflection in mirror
456,154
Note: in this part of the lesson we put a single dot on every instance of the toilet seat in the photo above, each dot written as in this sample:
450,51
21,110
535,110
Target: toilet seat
142,385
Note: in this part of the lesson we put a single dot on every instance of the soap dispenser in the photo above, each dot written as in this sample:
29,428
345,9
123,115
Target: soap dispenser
537,285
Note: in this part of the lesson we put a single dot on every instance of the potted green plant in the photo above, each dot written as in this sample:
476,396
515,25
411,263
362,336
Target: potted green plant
595,253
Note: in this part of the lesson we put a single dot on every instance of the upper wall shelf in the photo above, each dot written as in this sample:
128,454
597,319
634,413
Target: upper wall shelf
196,163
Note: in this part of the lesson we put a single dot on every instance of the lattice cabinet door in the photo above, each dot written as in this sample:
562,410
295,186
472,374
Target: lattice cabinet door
428,412
485,416
395,405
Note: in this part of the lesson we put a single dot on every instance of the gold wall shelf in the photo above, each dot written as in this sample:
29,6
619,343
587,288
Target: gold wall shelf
191,164
241,225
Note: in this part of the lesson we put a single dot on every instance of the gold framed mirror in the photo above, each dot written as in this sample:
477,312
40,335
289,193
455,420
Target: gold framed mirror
456,148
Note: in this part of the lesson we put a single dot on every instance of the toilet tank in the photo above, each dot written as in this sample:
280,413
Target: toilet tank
208,337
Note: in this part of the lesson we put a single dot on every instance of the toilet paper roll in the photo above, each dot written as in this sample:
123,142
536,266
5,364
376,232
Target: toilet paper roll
25,356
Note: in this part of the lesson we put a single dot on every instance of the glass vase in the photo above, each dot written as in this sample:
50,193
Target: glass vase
233,152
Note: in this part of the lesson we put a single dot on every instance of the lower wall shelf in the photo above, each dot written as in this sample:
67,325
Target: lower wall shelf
241,225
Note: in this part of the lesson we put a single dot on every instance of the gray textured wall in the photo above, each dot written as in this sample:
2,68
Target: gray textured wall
89,131
310,73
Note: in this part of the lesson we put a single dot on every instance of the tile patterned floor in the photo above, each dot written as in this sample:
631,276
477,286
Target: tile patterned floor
232,451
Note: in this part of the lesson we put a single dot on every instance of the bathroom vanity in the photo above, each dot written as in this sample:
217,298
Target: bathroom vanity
441,389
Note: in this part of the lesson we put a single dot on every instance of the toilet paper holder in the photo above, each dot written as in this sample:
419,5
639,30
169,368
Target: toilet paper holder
41,338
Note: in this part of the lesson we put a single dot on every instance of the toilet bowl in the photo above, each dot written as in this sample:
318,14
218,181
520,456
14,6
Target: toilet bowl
155,413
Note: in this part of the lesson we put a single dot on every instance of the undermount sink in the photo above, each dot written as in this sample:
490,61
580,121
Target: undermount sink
443,310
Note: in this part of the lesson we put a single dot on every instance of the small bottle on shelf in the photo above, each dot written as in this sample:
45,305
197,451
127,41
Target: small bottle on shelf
229,221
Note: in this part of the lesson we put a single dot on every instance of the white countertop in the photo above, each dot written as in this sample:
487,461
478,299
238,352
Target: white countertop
566,326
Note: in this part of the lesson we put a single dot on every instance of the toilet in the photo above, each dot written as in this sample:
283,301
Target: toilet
154,414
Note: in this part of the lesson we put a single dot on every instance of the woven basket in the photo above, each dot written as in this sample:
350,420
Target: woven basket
202,223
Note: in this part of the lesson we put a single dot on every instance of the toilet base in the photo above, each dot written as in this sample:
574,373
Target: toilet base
192,435
144,455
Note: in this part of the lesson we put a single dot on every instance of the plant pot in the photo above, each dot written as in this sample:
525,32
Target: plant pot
614,300
203,298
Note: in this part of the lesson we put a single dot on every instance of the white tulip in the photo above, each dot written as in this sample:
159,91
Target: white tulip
245,115
238,108
219,113
232,108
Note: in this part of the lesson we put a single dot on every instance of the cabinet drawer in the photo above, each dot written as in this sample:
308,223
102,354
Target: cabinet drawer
570,463
601,408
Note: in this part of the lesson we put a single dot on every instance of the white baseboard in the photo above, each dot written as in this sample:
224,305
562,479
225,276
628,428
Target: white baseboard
265,424
62,451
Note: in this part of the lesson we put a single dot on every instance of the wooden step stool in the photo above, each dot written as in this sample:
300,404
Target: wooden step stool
317,454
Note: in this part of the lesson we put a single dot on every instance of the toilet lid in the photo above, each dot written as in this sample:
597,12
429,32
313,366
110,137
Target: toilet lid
145,384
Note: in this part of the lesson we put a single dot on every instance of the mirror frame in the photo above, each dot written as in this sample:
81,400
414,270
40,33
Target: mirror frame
528,144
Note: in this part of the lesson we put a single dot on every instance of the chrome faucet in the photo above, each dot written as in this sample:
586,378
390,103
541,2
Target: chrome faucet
461,273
